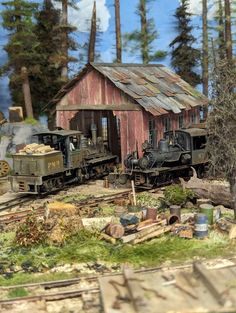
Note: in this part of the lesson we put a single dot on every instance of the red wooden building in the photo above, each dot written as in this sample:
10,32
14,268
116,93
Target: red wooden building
129,103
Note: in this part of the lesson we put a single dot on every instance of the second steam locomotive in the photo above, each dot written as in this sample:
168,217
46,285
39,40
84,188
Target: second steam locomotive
173,157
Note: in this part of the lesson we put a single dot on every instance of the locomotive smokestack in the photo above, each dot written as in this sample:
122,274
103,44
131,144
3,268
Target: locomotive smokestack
94,133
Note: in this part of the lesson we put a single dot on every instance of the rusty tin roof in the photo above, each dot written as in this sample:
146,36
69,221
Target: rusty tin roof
155,87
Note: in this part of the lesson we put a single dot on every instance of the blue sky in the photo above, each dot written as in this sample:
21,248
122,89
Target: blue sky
161,10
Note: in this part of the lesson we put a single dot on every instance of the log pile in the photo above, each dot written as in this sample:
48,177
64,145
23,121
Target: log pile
35,148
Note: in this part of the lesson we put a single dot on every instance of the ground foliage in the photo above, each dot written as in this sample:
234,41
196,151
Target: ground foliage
86,248
184,57
176,194
31,232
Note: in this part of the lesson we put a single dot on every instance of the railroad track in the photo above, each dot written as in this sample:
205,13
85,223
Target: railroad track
10,203
13,217
67,289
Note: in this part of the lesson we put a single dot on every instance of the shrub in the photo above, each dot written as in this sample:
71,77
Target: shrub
175,194
31,232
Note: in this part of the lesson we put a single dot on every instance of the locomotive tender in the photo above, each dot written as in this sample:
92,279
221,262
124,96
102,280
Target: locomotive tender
174,156
71,159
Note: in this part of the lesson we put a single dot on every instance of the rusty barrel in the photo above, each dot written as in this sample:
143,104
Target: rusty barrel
106,183
115,230
151,213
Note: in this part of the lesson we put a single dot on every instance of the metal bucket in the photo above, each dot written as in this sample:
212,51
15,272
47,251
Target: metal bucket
175,210
201,225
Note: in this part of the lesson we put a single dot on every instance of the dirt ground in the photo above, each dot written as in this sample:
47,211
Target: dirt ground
4,186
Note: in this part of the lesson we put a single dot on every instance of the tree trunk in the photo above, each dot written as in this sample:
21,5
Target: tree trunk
93,31
144,32
118,32
221,35
64,43
26,92
218,192
228,33
204,49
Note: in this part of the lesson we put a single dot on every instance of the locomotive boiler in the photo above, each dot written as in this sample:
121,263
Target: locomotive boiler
57,158
172,157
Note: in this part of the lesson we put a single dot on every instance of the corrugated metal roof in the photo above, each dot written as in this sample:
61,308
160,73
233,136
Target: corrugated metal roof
155,87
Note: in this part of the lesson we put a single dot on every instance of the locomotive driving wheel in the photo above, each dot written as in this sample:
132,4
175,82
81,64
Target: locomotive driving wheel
4,168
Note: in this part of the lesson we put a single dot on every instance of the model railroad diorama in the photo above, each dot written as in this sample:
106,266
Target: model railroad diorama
87,212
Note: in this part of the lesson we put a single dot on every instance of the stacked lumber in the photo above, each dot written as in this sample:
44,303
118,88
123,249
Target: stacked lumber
35,148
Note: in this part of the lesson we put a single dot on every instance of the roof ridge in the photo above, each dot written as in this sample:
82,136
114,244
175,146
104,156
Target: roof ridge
126,64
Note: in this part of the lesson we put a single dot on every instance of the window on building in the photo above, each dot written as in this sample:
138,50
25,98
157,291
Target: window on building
166,124
152,132
181,120
193,118
105,129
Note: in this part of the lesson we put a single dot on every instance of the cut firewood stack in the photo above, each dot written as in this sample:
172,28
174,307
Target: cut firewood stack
35,148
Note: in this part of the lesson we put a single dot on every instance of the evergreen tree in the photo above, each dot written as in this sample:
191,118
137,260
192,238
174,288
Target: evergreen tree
47,82
228,31
67,43
184,58
143,39
205,51
22,46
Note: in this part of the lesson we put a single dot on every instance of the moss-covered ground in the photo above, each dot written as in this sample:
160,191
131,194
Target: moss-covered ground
86,247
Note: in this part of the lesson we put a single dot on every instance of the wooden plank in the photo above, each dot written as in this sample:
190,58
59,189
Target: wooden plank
113,291
122,107
212,282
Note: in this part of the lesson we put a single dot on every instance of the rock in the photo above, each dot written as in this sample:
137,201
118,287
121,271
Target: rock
203,201
189,205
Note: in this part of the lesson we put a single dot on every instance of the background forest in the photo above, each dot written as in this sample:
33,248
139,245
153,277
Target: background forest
46,42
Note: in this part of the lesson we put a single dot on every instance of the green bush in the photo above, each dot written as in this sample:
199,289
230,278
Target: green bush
175,194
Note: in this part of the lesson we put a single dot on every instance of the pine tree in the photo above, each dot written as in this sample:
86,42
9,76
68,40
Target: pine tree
21,47
184,58
47,82
205,50
143,39
67,43
228,32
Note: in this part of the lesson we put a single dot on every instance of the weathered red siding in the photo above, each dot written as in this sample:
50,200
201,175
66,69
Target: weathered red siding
94,89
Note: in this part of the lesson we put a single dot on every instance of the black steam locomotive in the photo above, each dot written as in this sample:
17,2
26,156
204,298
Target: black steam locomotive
173,157
57,158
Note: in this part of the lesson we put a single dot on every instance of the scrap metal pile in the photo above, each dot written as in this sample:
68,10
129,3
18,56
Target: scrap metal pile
191,220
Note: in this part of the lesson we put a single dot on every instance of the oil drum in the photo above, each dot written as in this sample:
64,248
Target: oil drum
201,225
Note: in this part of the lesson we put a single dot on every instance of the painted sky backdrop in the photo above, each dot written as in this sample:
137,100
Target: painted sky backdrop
161,10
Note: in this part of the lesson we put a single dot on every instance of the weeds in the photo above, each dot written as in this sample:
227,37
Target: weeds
31,232
17,293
